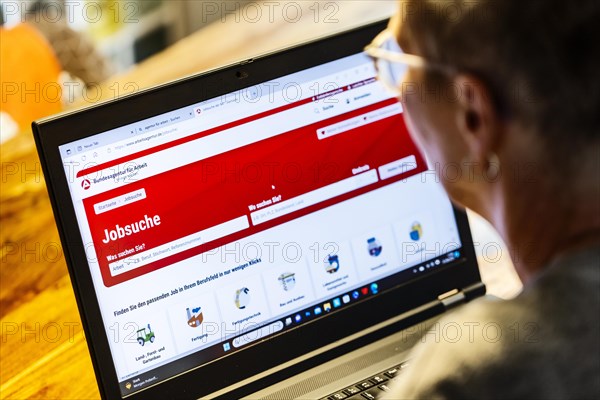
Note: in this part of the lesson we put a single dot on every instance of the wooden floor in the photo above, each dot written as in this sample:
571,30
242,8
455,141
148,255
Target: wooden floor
43,350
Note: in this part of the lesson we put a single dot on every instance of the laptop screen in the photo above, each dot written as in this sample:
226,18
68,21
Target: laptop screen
219,225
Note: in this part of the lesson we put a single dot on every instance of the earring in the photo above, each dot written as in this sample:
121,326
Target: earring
492,171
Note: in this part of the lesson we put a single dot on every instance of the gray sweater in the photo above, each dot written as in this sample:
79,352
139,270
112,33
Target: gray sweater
543,344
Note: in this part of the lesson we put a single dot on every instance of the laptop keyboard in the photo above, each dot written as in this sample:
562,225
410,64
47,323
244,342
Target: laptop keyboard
370,388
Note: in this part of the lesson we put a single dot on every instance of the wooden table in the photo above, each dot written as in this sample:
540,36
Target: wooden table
43,350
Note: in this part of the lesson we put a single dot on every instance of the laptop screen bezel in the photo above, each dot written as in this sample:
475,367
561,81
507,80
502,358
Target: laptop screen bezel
52,132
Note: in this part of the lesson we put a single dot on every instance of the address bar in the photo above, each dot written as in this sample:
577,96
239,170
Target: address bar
216,116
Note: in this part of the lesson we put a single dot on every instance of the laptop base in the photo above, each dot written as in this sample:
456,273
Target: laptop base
339,373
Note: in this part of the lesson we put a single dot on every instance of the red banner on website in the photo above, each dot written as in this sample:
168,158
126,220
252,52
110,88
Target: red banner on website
155,222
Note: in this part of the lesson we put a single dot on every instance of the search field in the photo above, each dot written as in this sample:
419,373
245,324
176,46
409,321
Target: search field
177,246
314,197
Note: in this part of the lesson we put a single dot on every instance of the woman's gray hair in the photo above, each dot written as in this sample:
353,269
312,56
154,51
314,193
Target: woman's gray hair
540,58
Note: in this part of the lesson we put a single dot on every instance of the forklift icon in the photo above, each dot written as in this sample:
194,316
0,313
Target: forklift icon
143,336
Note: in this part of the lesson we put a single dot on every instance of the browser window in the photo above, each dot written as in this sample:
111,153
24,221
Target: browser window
235,219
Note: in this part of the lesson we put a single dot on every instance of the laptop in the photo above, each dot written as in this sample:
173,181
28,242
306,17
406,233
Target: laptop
263,230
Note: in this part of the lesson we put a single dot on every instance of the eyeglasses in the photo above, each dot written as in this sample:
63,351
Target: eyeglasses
391,62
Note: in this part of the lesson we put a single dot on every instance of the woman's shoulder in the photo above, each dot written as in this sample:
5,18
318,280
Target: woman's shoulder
543,342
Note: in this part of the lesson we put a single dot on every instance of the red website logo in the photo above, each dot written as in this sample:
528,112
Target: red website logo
85,184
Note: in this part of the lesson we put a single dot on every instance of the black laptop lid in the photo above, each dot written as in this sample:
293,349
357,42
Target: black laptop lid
220,225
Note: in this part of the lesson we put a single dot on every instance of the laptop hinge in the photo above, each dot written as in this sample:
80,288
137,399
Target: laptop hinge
454,297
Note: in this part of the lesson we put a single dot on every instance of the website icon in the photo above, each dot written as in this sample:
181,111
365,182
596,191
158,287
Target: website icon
332,263
242,298
194,317
416,231
374,247
287,281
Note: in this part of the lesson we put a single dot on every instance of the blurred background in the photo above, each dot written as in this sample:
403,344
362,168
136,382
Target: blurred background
125,32
78,44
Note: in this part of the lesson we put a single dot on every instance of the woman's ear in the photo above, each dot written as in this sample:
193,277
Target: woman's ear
476,118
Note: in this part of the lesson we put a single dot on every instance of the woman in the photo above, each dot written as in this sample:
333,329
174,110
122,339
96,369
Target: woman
510,92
